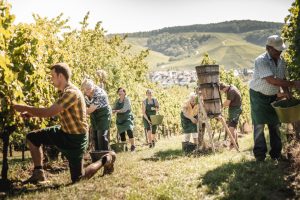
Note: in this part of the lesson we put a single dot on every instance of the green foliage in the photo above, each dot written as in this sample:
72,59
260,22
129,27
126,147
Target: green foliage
206,60
230,50
235,26
291,34
32,48
8,82
259,37
176,45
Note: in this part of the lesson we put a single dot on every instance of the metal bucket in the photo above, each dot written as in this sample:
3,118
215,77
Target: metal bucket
288,111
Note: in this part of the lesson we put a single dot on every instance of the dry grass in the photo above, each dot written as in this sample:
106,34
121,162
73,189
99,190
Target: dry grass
165,173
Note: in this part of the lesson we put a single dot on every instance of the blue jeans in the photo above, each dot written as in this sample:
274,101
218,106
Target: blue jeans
260,145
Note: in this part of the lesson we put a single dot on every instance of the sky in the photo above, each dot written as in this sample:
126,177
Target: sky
124,16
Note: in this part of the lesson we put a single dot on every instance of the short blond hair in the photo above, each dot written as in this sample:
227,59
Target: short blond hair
192,95
102,74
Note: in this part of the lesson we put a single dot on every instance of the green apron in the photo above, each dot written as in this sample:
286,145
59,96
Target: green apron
150,112
187,125
80,143
101,119
124,120
261,110
234,113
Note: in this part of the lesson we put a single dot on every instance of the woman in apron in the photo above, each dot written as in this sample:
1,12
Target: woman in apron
189,118
98,107
150,107
124,120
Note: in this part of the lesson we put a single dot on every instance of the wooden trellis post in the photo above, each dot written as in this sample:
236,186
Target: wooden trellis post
203,119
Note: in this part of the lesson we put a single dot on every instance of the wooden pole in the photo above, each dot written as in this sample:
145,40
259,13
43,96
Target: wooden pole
229,133
202,117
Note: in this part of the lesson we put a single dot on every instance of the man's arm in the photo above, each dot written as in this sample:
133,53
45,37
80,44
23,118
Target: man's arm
184,111
91,109
280,82
226,103
39,112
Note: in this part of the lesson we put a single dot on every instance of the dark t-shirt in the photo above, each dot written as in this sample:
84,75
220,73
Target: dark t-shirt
233,94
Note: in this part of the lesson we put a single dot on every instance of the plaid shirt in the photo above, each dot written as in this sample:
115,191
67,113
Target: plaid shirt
73,117
264,67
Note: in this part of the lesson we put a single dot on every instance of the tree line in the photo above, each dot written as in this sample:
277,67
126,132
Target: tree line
235,26
176,45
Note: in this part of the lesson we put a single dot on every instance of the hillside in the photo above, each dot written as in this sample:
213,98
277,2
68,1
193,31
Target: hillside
233,44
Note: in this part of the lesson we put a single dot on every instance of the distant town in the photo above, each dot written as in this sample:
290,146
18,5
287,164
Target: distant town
187,77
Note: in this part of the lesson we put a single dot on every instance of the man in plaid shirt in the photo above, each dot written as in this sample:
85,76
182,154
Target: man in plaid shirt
70,137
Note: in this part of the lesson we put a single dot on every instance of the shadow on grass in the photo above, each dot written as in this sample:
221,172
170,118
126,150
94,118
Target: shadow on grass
19,189
13,161
248,180
169,154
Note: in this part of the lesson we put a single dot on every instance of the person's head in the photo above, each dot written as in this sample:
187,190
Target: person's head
275,46
149,93
223,87
121,92
192,98
102,75
88,87
60,74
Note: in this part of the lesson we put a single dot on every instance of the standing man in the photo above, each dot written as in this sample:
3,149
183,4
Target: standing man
268,78
71,137
234,104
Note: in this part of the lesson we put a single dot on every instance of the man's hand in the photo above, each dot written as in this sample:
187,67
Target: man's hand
20,108
93,107
194,120
284,95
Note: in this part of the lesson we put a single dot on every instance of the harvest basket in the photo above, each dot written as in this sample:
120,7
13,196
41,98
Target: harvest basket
288,111
156,119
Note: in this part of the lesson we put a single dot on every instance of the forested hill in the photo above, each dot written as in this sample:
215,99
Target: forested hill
233,44
236,26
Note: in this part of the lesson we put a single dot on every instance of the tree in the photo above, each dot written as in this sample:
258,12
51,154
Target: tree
8,84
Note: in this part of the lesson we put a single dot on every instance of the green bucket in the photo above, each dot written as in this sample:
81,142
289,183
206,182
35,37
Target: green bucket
156,119
288,111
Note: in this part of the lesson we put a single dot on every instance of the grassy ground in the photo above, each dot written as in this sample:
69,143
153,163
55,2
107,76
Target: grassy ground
165,173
